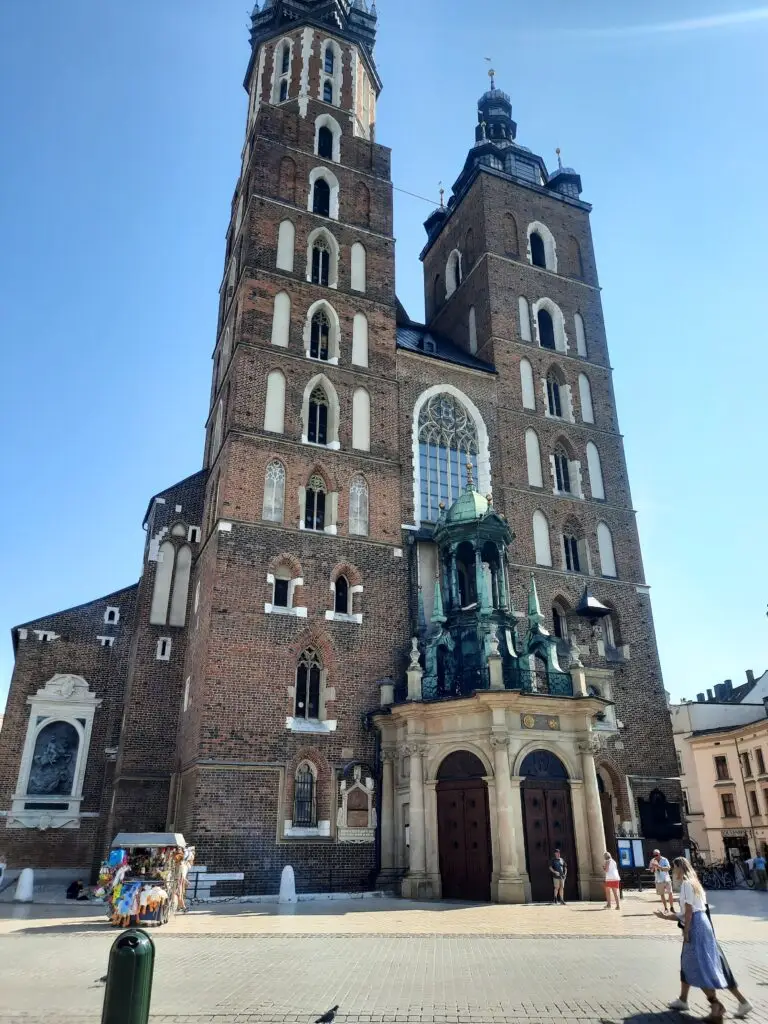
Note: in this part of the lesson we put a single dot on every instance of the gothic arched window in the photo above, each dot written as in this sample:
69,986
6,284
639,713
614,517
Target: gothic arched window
562,470
538,252
321,265
554,395
308,686
274,492
314,512
328,91
304,815
447,442
325,143
285,66
317,432
341,601
330,60
358,507
546,329
321,200
321,333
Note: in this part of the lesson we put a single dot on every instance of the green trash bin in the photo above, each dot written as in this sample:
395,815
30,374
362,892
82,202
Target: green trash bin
129,979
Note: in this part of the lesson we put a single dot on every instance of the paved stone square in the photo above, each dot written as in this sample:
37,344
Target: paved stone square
228,967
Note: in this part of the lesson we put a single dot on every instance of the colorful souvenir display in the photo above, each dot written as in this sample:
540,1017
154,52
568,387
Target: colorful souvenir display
142,885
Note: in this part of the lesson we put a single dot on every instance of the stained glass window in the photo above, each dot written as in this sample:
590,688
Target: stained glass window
447,442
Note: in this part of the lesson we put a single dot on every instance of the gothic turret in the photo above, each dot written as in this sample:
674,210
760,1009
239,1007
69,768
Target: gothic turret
355,21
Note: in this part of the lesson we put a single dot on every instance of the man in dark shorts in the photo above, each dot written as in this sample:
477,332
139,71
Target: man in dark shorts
559,870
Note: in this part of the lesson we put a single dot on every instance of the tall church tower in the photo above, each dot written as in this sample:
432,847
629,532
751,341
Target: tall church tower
300,592
510,277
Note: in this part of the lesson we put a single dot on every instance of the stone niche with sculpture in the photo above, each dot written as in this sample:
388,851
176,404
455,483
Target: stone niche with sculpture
49,789
356,818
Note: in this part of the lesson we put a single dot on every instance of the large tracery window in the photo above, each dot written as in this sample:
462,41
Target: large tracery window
447,442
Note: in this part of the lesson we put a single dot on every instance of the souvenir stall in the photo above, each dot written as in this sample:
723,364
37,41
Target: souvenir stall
144,878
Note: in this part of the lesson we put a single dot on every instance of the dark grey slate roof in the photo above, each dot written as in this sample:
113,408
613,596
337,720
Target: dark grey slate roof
418,338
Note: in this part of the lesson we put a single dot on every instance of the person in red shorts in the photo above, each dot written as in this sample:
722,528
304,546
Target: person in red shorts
612,881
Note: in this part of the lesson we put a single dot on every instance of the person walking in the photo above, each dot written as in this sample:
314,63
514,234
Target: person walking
612,881
761,877
559,871
660,867
701,964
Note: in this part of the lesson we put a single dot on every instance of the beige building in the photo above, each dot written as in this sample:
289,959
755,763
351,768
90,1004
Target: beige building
721,740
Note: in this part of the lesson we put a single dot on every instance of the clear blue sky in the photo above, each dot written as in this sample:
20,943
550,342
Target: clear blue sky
121,131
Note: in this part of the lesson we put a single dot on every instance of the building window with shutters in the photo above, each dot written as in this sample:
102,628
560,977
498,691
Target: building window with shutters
722,772
760,761
314,513
746,764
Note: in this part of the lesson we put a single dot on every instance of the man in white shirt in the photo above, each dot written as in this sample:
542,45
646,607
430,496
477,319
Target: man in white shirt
660,867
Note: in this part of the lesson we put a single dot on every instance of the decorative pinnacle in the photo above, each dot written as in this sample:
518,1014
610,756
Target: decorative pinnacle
491,73
470,478
442,196
559,158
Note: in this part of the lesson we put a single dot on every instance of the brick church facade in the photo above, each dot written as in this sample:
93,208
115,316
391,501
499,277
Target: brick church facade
402,606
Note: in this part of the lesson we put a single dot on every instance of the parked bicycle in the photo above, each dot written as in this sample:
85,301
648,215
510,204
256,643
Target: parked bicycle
718,876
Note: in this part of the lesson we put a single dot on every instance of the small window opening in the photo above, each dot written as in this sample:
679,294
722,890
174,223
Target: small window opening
283,91
321,331
328,91
281,593
321,264
325,143
341,606
321,200
538,252
546,329
572,561
314,516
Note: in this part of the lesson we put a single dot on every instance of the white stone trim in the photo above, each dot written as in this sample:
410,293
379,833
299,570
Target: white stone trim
321,831
328,121
298,613
64,698
558,323
356,617
333,275
333,182
550,245
112,615
313,726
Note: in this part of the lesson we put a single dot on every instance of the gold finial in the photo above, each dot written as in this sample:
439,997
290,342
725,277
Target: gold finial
491,73
559,159
470,479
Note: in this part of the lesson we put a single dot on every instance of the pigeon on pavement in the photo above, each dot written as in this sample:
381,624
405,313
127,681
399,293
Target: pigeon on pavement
328,1017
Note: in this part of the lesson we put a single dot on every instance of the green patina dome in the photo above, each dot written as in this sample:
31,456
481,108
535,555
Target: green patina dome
469,507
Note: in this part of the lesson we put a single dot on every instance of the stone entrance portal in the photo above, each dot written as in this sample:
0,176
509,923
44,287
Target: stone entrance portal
463,825
548,820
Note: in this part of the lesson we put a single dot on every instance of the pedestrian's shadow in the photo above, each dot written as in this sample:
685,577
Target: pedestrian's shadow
663,1017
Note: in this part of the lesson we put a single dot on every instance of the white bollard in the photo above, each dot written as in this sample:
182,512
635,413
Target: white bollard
25,887
288,886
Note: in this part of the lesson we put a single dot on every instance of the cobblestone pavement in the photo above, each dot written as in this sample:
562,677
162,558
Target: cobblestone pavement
50,977
738,915
381,961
